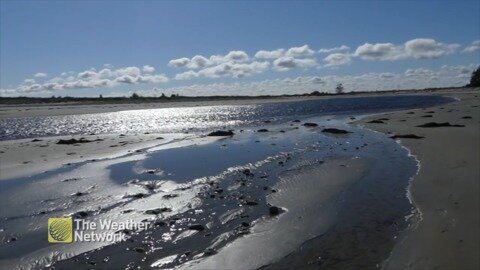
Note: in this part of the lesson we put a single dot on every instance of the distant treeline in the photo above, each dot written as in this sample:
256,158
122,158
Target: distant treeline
136,98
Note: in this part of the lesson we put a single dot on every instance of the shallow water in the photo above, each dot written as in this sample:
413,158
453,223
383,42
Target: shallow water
170,120
292,166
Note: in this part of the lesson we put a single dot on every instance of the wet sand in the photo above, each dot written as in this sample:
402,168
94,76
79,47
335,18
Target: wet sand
446,189
30,156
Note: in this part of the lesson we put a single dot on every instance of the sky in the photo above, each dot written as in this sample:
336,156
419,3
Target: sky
197,48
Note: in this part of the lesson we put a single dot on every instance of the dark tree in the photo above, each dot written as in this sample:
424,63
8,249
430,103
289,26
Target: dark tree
100,96
339,89
135,96
475,79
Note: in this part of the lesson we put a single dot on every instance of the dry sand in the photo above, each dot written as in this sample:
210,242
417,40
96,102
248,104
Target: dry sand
446,189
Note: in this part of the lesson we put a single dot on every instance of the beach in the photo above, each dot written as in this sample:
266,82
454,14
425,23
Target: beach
328,183
446,189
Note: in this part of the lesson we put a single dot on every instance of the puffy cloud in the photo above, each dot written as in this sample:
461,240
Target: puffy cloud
299,51
419,48
286,63
180,62
444,77
337,59
237,56
475,46
423,48
378,51
342,48
148,69
387,75
40,75
419,72
187,75
94,79
262,54
230,69
200,61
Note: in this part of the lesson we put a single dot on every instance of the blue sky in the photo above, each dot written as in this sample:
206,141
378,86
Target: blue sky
386,45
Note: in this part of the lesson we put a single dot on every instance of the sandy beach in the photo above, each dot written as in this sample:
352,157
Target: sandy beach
353,212
446,189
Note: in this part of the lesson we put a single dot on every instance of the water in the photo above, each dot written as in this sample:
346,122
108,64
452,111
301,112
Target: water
324,210
201,119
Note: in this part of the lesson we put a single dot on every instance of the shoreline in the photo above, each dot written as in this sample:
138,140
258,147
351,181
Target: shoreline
277,136
56,109
447,234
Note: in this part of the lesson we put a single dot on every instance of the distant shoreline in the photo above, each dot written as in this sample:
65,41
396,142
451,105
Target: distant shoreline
68,106
66,100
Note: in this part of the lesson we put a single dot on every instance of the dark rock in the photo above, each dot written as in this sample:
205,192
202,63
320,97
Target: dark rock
169,196
209,252
159,223
36,140
221,133
296,121
157,211
262,130
247,172
73,141
467,117
80,214
251,203
376,122
427,116
274,211
196,227
407,136
136,196
139,249
310,124
335,131
434,124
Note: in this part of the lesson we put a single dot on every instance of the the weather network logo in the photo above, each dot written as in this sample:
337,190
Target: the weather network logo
60,230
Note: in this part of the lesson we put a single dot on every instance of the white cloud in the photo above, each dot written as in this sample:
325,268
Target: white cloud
286,63
40,75
148,69
230,69
424,48
187,75
419,48
475,46
200,61
337,59
93,79
180,62
419,72
299,51
342,48
262,54
413,79
237,56
379,51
